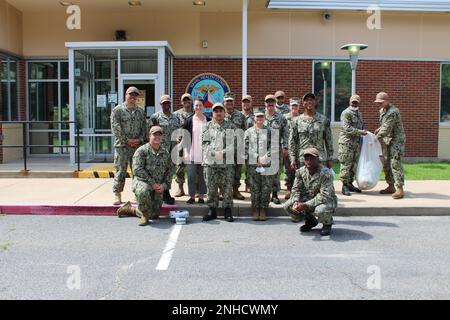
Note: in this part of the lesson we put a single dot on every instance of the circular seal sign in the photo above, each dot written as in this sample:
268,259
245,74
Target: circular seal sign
210,87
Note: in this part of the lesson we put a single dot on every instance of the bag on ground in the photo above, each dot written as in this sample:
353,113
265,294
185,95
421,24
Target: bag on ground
369,164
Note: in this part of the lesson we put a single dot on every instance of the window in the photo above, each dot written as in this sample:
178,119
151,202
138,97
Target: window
332,87
48,100
445,93
8,89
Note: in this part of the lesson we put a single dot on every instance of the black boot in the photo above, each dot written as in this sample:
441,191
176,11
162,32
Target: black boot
326,230
211,215
310,222
275,198
167,199
346,190
228,215
352,188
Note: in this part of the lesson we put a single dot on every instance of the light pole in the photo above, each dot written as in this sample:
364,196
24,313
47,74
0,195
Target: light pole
324,66
353,51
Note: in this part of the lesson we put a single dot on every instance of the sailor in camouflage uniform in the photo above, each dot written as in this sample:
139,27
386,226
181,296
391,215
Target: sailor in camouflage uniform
183,113
350,144
238,119
281,106
129,129
310,130
276,121
313,194
152,169
169,122
258,150
218,144
392,134
294,104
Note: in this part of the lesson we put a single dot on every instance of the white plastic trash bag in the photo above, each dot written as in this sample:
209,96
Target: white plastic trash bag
369,164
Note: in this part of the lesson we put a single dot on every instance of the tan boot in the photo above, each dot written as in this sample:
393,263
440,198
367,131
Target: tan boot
288,195
117,199
262,215
127,210
237,195
180,192
143,221
399,193
389,190
255,214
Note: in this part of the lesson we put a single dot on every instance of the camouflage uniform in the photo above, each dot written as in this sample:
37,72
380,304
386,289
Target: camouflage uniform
393,137
316,191
181,168
290,174
126,124
249,120
238,119
278,122
283,109
150,167
258,144
310,133
218,174
169,124
350,143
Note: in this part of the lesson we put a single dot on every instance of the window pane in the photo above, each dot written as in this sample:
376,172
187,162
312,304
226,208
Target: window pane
13,70
43,103
44,138
3,70
103,70
65,104
42,70
102,114
322,79
445,93
64,70
343,88
14,103
139,60
4,107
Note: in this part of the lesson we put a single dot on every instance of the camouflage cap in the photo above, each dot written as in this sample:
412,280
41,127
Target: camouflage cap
186,96
270,97
309,95
156,129
311,151
218,105
356,98
247,97
381,97
279,94
165,98
294,101
135,90
229,96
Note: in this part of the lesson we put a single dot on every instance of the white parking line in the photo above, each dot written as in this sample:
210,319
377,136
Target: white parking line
164,262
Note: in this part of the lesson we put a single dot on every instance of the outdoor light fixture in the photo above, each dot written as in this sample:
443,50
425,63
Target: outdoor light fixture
135,3
199,3
353,51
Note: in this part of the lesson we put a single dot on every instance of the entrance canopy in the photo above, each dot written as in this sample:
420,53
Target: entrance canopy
99,74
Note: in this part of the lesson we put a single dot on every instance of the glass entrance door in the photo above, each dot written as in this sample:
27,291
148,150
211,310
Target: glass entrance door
147,87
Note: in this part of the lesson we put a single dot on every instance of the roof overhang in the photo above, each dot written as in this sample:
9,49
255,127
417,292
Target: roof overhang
384,5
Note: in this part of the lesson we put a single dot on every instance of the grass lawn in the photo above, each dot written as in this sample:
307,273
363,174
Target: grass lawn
416,171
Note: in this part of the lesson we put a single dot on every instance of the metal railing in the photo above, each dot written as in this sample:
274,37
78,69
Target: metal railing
25,146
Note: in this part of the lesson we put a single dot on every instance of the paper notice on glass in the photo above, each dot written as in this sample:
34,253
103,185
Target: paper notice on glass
101,101
112,98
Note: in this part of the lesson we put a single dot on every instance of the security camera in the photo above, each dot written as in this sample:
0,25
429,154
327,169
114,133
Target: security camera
327,16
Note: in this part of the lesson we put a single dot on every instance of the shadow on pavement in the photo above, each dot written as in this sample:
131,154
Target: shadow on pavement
367,224
339,235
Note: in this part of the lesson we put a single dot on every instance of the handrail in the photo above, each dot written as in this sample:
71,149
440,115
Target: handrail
25,146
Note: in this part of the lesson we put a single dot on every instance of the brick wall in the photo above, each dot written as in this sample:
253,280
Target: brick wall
413,86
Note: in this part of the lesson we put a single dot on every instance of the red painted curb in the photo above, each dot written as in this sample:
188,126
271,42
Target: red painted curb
69,210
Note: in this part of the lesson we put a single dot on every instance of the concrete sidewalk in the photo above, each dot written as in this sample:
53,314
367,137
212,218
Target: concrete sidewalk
94,197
